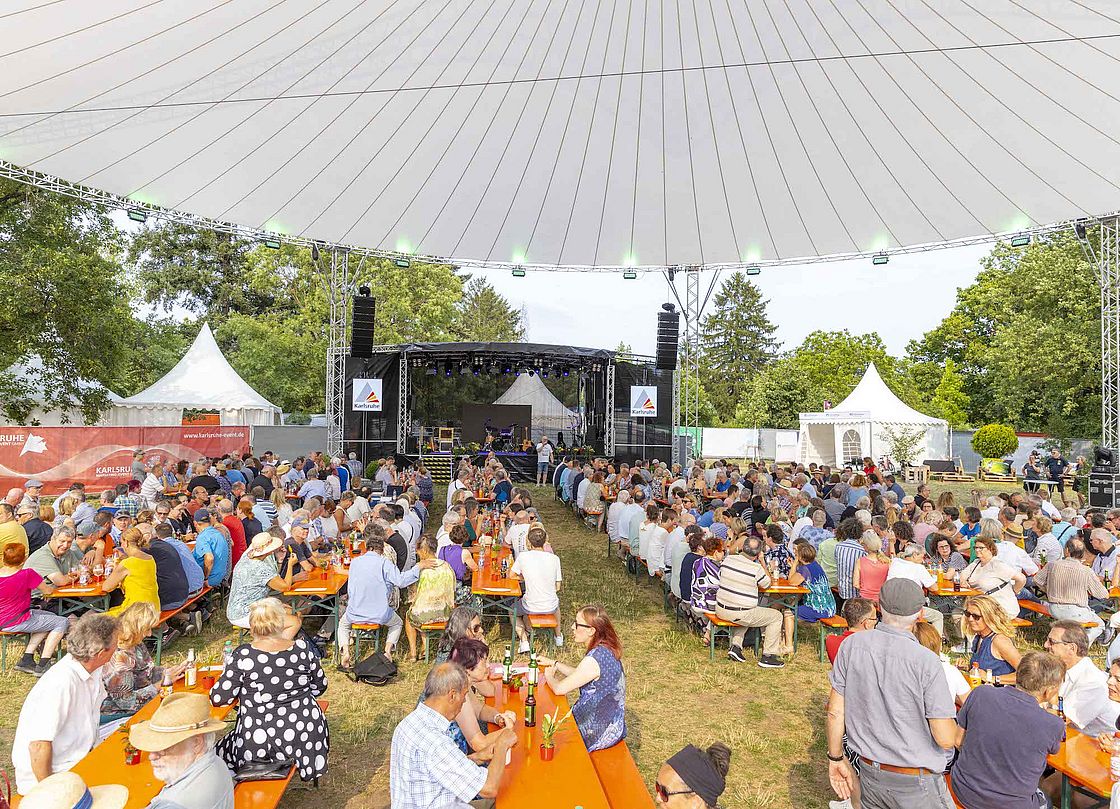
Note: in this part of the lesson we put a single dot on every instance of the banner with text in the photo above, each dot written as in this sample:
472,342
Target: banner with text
643,401
367,395
101,457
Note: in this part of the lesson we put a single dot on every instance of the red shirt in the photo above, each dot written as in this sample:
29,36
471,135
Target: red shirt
236,534
832,645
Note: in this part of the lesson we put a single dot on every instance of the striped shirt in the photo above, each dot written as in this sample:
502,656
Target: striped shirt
1067,581
848,554
740,579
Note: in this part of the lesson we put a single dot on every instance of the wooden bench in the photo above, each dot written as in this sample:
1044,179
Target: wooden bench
20,638
427,631
949,471
364,632
545,620
1042,609
722,628
834,625
261,794
167,615
620,778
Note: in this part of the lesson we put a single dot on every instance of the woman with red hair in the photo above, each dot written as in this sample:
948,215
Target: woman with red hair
600,710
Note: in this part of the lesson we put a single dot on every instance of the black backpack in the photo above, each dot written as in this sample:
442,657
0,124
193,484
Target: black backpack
376,669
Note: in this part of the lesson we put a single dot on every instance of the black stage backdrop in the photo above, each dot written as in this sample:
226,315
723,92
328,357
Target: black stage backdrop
500,417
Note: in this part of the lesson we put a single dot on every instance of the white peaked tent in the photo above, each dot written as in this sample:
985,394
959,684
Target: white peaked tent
201,380
855,427
549,413
30,370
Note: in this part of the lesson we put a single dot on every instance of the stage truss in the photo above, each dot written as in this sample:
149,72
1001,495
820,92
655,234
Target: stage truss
1106,264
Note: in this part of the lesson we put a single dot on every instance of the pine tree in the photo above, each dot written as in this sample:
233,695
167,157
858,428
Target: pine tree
485,316
736,343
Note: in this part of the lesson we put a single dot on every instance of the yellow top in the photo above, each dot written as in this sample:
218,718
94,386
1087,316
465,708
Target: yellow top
12,533
139,584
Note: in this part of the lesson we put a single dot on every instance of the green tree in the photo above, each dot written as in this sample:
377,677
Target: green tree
1025,338
482,315
691,385
949,401
63,297
995,441
736,342
826,366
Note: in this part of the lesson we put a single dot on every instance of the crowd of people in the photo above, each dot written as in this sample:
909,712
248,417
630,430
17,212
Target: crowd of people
901,713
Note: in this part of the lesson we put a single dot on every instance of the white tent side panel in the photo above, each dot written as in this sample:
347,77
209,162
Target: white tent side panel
731,442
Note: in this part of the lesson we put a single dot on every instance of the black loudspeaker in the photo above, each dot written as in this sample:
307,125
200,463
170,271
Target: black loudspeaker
361,332
668,337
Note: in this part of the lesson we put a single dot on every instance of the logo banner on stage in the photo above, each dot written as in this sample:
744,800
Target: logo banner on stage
102,456
643,400
367,395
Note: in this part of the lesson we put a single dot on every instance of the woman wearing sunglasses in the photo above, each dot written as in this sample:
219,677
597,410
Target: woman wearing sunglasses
991,576
991,632
600,710
693,778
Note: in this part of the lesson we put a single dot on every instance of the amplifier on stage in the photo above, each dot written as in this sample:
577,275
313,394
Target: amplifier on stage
1104,478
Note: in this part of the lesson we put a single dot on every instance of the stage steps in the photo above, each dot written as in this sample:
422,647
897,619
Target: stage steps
440,467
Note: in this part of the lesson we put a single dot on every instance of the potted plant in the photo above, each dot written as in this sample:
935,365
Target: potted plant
549,726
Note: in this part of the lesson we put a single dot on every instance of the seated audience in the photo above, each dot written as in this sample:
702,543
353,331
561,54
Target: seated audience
741,576
462,564
1084,690
59,720
256,576
44,629
1069,585
693,778
994,578
1005,735
992,645
57,561
433,596
274,681
426,766
131,677
468,729
540,571
871,569
179,741
819,603
860,615
599,712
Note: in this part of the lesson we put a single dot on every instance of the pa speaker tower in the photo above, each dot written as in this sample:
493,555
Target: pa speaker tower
668,338
361,333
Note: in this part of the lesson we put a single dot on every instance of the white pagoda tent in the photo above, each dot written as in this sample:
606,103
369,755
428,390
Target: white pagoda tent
30,371
549,413
855,427
201,380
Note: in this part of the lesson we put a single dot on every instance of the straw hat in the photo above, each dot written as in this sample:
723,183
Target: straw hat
67,789
179,717
1014,531
263,544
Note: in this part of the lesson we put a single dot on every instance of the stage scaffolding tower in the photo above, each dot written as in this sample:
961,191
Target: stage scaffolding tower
339,284
686,388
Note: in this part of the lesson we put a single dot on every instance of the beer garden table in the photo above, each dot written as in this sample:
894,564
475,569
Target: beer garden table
74,598
323,586
499,595
1084,767
568,780
784,594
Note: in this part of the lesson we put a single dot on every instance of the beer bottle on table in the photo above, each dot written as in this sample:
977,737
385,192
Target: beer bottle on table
167,687
1061,708
507,666
531,707
532,666
191,672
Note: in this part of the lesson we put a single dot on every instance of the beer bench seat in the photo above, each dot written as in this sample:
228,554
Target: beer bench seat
620,778
1042,609
167,615
261,794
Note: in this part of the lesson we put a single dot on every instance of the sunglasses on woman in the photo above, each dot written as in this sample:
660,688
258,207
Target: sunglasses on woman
664,794
975,616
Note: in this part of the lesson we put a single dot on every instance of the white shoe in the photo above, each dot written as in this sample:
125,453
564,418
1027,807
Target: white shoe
559,640
523,649
844,804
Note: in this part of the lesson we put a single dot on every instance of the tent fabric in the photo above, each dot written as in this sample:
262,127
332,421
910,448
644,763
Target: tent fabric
857,427
549,413
201,380
30,371
577,133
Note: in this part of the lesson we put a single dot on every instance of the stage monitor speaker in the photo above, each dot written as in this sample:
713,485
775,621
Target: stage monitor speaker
361,332
668,338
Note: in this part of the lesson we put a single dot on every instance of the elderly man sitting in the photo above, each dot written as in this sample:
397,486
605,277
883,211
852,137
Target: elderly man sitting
426,767
1084,690
179,739
59,719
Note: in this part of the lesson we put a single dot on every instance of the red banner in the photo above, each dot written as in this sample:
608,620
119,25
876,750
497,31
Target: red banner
101,457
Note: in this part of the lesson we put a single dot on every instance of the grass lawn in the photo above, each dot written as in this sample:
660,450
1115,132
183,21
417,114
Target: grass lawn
772,719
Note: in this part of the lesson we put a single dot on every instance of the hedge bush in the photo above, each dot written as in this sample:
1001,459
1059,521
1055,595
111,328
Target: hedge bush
995,441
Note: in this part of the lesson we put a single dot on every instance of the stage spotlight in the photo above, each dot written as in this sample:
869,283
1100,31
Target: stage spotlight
403,263
1080,230
464,367
431,370
272,244
879,259
137,215
544,373
565,372
447,369
506,369
314,252
364,291
668,307
630,275
518,272
754,271
1021,240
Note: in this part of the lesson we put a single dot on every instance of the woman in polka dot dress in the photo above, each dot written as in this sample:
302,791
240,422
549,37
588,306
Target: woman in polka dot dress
275,682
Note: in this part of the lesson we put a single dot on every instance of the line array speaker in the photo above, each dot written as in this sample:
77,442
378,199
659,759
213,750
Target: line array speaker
361,332
668,338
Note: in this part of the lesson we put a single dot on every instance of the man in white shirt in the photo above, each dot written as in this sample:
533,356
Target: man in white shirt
581,490
676,539
1084,691
410,516
995,503
908,565
313,487
517,537
59,719
659,541
614,515
801,524
443,535
1010,553
458,485
540,571
354,505
544,458
632,519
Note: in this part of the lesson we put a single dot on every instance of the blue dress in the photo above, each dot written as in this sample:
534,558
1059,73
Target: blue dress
820,602
982,655
600,710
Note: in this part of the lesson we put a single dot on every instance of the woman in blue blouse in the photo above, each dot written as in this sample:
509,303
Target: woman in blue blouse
600,710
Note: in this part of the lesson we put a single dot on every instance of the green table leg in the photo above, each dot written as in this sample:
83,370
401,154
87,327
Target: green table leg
1067,792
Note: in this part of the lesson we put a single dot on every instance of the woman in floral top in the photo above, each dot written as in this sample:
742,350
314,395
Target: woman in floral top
778,558
131,677
705,581
819,603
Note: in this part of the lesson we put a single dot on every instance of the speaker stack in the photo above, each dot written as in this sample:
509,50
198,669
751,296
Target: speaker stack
668,337
361,332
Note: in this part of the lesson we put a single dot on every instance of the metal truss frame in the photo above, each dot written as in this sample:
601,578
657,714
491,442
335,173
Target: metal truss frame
1106,264
339,285
686,398
608,423
404,412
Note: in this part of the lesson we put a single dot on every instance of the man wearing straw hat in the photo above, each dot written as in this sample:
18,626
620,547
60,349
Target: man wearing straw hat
179,739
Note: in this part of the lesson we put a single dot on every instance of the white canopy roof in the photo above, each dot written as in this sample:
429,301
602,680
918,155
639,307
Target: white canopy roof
549,413
31,371
202,379
575,132
872,401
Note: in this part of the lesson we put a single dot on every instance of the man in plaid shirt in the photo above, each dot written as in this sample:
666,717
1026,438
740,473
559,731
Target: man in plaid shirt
127,502
427,770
